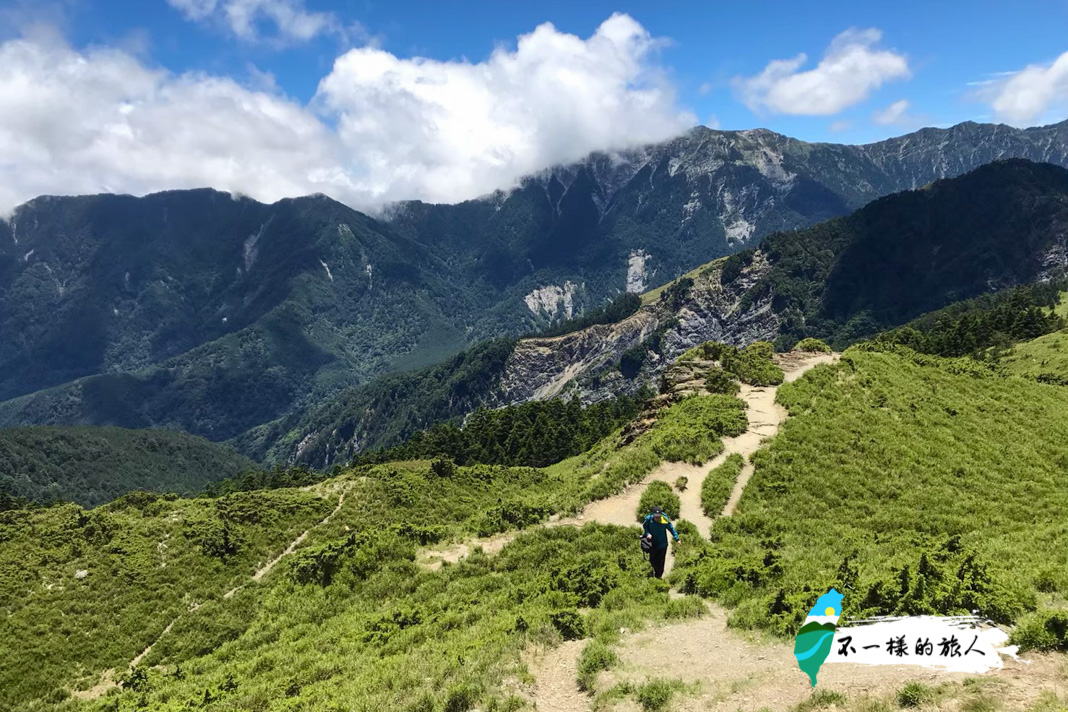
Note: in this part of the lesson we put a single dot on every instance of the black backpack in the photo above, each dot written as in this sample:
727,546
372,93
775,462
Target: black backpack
646,543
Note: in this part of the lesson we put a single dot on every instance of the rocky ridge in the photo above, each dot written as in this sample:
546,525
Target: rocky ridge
585,363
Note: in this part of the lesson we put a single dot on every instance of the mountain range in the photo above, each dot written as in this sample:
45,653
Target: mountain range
874,404
899,257
227,318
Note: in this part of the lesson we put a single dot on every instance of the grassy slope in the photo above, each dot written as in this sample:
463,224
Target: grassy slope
886,455
94,465
145,563
653,294
350,616
1044,356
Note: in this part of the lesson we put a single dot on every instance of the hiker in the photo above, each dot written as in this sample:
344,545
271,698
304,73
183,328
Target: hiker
656,527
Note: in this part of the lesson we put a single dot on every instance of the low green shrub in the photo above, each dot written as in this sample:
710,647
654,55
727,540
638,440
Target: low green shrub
1041,630
821,699
980,703
1050,580
443,467
655,694
719,381
685,607
691,430
658,493
461,697
1048,701
914,694
752,365
595,657
719,483
812,345
755,366
570,624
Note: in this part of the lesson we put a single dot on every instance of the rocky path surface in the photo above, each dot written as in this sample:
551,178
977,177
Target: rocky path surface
729,671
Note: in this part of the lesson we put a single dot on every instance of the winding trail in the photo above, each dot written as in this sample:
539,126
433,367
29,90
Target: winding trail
730,671
266,568
764,416
554,670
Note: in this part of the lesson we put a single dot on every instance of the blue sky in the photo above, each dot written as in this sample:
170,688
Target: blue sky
949,45
149,69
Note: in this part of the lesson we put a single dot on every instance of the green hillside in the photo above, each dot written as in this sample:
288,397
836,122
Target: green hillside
914,252
146,558
95,465
913,483
1045,358
353,585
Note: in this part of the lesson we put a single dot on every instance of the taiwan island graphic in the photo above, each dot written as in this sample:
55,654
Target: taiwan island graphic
816,637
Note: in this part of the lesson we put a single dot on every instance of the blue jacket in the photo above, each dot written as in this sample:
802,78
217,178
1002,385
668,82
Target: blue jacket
659,525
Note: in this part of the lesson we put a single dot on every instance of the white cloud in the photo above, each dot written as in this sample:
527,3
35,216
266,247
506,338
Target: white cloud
893,114
713,122
851,68
456,129
100,120
1025,95
840,126
291,20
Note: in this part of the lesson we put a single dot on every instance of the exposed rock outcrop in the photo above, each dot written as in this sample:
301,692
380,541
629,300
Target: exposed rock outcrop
585,363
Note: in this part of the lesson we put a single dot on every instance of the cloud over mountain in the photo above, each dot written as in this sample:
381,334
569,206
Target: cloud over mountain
380,128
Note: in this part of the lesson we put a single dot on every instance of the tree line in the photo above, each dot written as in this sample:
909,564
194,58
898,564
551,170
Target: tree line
535,434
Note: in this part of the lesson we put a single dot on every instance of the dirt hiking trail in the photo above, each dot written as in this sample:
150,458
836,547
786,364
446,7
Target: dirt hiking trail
764,416
555,670
726,670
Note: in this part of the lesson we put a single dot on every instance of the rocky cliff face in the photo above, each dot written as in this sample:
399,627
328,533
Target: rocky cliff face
586,363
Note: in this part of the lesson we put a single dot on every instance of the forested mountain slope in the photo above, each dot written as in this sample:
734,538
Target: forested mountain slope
206,312
217,314
93,465
1001,225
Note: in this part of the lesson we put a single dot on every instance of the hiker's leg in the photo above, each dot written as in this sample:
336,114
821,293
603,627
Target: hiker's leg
656,557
